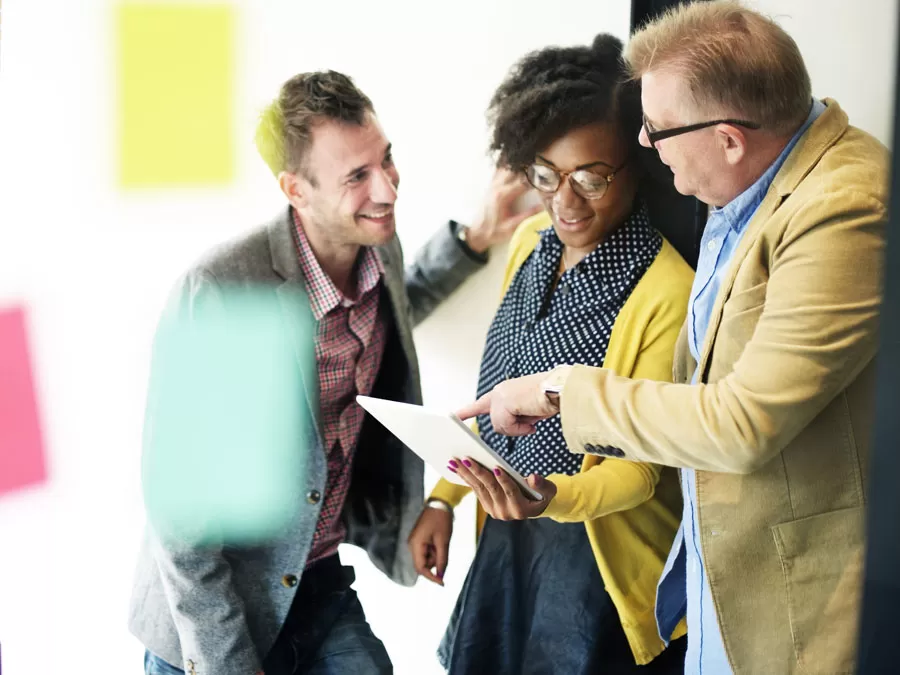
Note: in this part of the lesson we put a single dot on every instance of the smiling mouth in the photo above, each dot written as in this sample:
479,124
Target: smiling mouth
382,215
572,222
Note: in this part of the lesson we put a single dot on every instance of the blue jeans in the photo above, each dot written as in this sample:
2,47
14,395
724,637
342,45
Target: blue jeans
325,633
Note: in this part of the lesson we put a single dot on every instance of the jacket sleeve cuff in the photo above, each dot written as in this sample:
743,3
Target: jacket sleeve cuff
575,400
480,258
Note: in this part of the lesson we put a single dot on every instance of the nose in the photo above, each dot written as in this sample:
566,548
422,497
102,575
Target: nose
643,139
566,197
384,186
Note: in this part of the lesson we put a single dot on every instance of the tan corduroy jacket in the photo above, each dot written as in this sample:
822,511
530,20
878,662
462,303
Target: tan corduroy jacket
779,428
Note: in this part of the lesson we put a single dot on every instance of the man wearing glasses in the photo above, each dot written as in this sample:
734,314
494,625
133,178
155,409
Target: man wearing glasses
770,414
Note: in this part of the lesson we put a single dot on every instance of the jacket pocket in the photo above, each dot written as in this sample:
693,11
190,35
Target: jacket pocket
822,561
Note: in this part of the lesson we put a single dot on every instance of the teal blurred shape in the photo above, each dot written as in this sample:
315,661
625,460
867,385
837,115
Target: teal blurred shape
228,417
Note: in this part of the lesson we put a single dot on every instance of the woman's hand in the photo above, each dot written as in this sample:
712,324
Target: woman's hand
499,495
501,214
429,543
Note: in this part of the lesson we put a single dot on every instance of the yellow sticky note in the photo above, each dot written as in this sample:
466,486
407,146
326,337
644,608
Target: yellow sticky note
175,91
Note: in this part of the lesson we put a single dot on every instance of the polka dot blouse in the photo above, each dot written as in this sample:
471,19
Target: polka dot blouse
538,327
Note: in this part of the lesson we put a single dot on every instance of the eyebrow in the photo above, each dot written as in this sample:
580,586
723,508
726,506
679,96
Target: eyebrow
355,171
577,168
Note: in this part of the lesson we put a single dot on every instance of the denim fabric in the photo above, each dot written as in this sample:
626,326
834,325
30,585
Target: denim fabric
153,665
534,604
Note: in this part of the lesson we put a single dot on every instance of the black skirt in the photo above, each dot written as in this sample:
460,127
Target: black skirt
534,603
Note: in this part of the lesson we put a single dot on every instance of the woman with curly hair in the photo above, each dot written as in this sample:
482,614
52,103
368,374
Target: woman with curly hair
568,584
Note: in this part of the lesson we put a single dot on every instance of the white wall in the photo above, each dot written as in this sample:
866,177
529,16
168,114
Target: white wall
849,50
94,264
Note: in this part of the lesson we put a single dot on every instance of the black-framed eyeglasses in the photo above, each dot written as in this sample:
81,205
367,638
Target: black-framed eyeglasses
585,183
655,136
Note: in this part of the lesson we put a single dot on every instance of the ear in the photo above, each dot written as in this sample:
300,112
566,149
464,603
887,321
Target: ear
732,142
295,188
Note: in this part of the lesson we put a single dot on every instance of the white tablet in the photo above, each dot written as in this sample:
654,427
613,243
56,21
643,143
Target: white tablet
438,437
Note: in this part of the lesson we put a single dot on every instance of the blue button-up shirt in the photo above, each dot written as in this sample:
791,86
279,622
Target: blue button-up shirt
684,587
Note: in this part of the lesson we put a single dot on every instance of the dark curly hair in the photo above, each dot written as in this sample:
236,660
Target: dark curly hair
555,90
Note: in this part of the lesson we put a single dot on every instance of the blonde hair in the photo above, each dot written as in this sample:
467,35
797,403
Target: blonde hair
270,137
732,59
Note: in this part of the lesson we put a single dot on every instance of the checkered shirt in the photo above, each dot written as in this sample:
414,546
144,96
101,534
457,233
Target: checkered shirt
350,341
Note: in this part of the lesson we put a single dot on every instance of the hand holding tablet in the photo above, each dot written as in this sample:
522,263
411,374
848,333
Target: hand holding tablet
439,438
500,496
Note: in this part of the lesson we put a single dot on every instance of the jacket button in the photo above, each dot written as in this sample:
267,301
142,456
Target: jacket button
616,452
313,496
289,580
590,449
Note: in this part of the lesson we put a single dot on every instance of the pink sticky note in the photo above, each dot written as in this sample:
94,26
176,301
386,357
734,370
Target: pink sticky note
22,461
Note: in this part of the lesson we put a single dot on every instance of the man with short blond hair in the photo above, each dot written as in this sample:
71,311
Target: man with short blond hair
770,411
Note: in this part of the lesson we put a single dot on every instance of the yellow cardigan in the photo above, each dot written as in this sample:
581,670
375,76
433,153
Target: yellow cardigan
631,510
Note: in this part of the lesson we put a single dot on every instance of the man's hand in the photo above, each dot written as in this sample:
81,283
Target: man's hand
429,543
499,495
516,405
500,217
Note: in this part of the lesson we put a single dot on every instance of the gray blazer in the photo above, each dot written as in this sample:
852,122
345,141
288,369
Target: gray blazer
219,609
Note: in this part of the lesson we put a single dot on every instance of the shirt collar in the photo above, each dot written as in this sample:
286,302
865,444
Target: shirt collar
737,212
324,296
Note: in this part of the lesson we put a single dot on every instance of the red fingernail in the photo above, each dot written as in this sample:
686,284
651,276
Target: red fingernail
496,472
440,575
452,469
453,464
467,463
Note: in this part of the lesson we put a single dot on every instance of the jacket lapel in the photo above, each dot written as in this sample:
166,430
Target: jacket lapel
824,132
298,317
395,283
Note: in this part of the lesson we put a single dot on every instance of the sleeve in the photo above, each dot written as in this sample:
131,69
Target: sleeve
440,267
615,484
449,492
197,579
816,332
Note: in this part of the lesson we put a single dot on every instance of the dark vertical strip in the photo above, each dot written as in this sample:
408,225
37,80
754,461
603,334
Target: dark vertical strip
881,590
681,219
643,11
